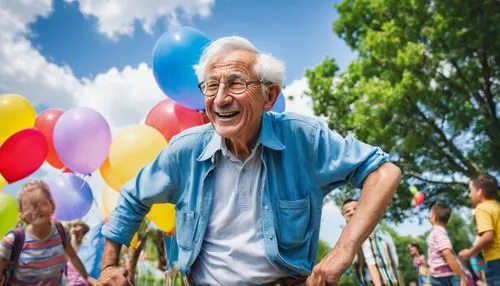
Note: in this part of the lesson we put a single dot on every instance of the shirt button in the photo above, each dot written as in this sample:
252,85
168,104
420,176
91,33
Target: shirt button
266,207
270,237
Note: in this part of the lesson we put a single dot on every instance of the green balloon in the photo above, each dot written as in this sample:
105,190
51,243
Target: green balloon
413,189
9,212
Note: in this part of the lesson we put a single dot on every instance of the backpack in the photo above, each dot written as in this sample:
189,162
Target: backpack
17,248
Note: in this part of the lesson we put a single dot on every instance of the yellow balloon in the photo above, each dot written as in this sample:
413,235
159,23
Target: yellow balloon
16,114
109,198
163,215
3,182
133,148
109,177
135,241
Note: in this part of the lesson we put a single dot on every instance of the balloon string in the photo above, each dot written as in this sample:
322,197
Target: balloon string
94,201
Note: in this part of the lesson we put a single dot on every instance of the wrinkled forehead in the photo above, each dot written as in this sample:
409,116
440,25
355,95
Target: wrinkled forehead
231,63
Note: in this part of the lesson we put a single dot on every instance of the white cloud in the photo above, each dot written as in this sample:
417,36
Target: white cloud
300,103
117,17
123,97
24,70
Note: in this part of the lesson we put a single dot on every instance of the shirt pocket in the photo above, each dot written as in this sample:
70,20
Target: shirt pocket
293,219
185,225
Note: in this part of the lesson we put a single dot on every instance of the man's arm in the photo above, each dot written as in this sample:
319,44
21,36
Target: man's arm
378,189
484,241
111,274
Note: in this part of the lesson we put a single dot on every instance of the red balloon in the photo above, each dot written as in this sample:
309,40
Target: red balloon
419,198
45,122
22,154
171,118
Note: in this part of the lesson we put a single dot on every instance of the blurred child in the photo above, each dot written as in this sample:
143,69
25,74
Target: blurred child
78,229
444,266
42,247
420,264
483,194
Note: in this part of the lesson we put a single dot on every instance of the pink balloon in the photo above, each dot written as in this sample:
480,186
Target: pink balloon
82,138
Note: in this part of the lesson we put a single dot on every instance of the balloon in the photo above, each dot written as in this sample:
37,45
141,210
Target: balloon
171,118
419,198
279,105
163,216
72,197
82,138
3,182
174,55
110,178
413,190
109,199
16,114
134,147
45,122
9,212
22,154
134,241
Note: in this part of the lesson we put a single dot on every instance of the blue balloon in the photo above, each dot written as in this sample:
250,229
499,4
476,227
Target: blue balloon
72,197
279,105
174,55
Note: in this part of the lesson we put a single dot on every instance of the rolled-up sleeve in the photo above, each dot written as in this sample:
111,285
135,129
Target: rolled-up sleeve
155,183
341,160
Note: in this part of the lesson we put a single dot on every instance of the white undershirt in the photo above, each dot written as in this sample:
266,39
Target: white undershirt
233,250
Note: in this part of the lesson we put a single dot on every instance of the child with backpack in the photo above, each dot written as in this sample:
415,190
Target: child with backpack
36,255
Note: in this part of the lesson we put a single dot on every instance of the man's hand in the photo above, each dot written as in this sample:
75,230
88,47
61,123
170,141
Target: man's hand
113,276
465,254
330,269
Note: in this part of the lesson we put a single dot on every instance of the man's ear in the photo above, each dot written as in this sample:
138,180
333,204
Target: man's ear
273,90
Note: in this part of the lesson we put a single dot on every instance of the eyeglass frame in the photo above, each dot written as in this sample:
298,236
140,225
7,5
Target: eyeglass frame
247,83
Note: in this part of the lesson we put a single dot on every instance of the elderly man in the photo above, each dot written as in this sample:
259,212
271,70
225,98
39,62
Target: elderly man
249,187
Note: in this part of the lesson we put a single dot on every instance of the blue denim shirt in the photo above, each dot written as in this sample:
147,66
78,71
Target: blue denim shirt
302,161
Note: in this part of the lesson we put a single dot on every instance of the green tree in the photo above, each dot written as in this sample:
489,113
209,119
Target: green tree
323,250
425,87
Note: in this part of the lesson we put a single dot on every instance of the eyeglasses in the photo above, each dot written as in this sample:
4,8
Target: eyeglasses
210,87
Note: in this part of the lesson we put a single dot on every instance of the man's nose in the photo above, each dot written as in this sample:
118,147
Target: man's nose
222,96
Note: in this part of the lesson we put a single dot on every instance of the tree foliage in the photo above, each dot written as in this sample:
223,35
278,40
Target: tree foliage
425,88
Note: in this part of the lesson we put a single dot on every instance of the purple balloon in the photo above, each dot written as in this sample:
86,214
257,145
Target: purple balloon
279,105
82,138
72,197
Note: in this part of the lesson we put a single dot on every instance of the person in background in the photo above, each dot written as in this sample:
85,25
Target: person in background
377,262
420,264
444,266
483,192
77,230
47,244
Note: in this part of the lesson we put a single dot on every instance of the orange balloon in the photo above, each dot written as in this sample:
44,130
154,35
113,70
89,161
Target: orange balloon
112,179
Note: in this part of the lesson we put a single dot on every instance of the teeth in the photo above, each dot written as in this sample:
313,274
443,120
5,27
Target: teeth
227,113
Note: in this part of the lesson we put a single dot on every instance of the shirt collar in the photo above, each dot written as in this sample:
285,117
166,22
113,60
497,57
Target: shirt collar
267,138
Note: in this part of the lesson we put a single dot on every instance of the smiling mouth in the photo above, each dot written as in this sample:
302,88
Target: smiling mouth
227,114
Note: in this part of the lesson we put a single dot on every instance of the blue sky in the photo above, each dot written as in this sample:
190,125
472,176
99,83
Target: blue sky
94,53
298,32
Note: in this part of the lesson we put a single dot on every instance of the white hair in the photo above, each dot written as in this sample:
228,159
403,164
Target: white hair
267,67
